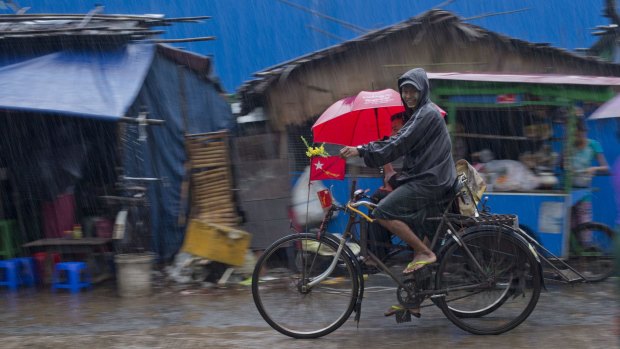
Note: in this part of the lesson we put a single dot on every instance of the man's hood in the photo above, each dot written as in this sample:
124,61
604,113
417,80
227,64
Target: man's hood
416,77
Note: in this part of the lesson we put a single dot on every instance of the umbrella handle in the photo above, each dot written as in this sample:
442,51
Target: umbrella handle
377,121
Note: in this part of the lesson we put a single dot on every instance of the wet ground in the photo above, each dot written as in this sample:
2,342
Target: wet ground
577,316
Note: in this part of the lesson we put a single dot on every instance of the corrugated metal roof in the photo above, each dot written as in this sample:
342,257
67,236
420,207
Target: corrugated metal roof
92,24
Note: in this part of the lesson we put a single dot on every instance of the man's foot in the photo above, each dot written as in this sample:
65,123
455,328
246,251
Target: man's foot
419,262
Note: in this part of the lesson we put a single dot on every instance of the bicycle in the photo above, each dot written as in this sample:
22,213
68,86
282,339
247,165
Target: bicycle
132,226
487,278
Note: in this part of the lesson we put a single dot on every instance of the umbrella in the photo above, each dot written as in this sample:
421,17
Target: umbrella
610,109
359,119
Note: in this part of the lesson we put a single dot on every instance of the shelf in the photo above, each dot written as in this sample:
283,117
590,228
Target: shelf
488,136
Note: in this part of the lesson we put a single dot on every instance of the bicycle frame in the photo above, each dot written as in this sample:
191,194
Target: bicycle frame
548,261
132,202
352,209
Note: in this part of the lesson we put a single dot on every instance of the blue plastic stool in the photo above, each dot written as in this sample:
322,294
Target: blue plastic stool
11,279
74,271
25,272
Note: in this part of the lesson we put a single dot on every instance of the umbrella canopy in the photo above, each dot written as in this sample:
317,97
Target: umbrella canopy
359,119
611,109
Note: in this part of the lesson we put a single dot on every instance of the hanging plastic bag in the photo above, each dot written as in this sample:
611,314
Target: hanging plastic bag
307,208
473,188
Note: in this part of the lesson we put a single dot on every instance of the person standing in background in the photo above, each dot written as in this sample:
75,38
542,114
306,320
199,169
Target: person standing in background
616,184
586,152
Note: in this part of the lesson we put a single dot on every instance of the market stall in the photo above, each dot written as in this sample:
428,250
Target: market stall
518,131
75,113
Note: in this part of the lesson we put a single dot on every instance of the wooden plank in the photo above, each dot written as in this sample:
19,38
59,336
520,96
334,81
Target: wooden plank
216,205
205,144
215,174
224,182
206,150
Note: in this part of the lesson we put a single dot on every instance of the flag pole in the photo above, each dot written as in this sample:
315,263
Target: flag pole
308,198
355,170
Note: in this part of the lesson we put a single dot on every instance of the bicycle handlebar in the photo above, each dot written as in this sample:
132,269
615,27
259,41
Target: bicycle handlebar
363,203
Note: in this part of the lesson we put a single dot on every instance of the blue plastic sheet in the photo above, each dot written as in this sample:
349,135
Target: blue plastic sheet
84,83
105,84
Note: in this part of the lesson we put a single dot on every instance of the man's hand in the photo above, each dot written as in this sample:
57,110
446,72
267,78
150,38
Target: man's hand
388,172
348,152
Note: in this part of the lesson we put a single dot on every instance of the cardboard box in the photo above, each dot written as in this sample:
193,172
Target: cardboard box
216,242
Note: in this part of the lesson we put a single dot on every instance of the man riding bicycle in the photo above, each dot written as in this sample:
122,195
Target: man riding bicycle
428,172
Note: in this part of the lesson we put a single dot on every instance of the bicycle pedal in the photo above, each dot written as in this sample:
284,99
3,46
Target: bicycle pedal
403,316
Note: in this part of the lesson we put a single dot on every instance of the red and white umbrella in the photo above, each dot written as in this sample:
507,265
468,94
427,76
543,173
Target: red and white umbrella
359,119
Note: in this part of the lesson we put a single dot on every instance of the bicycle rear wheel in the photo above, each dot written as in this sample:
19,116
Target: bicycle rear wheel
593,259
281,291
496,299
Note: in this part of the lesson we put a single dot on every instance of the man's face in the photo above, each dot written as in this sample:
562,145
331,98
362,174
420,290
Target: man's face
410,95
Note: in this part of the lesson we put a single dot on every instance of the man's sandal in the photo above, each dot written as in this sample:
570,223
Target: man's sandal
396,308
414,266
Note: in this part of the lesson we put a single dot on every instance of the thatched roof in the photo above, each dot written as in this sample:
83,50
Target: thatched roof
253,92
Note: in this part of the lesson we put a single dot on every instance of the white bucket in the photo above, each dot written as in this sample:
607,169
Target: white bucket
133,274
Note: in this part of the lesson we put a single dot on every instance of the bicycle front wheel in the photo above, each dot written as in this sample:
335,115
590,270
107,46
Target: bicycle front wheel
284,296
591,252
494,291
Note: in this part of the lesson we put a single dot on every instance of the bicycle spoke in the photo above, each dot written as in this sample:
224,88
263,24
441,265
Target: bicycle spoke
287,302
507,270
593,259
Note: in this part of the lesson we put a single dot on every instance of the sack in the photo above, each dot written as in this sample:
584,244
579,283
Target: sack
473,188
513,176
308,209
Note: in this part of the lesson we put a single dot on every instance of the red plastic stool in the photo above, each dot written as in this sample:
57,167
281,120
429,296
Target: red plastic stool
45,264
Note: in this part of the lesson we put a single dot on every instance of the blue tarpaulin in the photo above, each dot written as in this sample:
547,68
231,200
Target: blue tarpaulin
188,104
105,84
86,83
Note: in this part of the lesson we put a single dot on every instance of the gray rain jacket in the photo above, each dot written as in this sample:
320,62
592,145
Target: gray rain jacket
423,141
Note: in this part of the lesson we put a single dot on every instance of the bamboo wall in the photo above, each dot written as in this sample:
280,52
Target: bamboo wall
211,179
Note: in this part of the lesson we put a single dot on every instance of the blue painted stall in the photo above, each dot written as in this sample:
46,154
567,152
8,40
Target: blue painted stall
498,109
543,211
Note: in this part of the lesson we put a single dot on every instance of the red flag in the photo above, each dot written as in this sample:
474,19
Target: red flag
331,167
